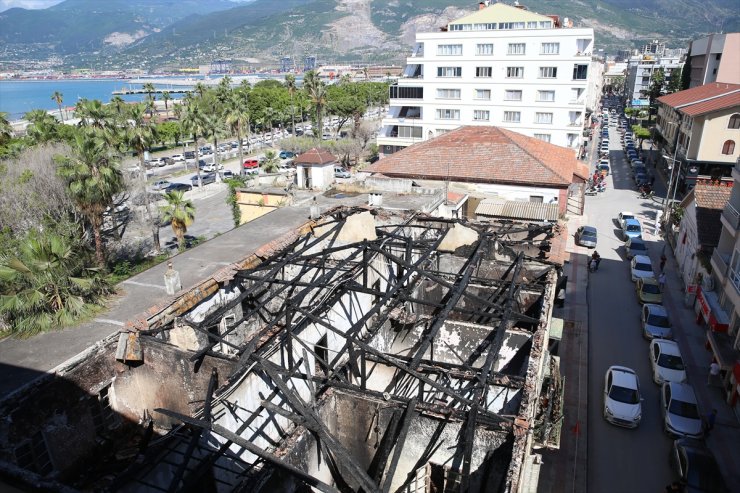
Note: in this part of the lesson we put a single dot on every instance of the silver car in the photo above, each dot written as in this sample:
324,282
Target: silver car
680,412
655,323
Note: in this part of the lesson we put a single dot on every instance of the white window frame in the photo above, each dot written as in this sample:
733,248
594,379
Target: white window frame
513,95
454,114
543,118
477,96
481,115
512,116
548,73
489,70
542,92
448,93
543,137
516,49
514,71
550,48
483,49
456,71
449,50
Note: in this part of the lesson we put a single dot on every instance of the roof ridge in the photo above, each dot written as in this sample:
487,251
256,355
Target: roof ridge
526,150
708,98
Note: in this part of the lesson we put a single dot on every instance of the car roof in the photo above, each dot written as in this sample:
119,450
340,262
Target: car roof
654,309
648,280
631,222
682,391
666,346
624,377
642,259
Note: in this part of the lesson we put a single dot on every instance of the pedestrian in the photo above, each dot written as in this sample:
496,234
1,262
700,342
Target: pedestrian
663,260
661,281
592,265
658,217
713,373
709,420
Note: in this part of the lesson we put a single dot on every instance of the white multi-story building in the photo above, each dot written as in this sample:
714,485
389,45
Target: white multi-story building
502,66
640,71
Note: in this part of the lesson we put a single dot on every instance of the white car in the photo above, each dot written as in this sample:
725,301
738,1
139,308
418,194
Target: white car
622,401
655,322
641,267
178,158
210,168
681,416
666,362
623,216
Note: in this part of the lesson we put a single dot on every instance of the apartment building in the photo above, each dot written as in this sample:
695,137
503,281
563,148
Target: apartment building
640,72
715,58
502,65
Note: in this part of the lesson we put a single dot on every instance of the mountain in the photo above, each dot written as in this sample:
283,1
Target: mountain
169,33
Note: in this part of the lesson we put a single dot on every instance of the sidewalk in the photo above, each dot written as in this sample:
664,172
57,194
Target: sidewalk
22,359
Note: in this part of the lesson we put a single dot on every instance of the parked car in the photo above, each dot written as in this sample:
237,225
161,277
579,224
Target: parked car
206,178
340,172
160,185
227,175
209,168
189,154
178,158
179,187
622,401
635,246
648,290
641,266
586,236
696,467
655,322
666,362
680,411
286,155
623,216
251,164
631,228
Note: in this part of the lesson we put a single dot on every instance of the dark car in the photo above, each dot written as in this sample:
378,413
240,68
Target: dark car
639,170
697,467
189,154
586,236
179,187
286,155
205,177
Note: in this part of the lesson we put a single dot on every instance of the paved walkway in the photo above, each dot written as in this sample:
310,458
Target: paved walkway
23,360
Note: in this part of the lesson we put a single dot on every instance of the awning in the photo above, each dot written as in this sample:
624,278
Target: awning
711,310
513,209
721,345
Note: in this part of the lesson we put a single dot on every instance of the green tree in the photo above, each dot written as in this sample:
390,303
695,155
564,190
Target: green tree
214,128
674,83
47,285
42,127
180,213
166,98
655,90
119,106
194,123
58,97
149,89
93,179
292,88
6,129
237,118
686,75
316,92
271,162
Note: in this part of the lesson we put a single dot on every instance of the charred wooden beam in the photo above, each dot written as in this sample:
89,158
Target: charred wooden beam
408,416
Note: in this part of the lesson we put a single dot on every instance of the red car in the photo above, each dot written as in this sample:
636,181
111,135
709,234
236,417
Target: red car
251,164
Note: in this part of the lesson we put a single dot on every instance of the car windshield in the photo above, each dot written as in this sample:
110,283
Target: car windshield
633,227
643,267
650,289
684,409
638,246
658,321
670,361
623,394
589,234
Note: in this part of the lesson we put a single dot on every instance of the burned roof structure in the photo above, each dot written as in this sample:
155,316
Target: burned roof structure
370,351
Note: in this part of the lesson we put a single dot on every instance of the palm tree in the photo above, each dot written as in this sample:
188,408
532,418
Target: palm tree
58,98
200,89
42,126
93,179
47,285
316,91
366,73
237,117
118,104
180,213
166,98
6,129
193,122
292,88
149,89
140,135
271,162
214,128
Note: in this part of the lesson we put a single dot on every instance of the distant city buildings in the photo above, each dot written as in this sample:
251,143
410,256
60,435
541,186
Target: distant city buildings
715,58
640,72
502,65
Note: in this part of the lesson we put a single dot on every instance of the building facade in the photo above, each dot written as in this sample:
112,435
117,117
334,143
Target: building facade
503,66
640,72
715,58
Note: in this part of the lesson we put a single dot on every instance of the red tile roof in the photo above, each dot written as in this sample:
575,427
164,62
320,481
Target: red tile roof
485,155
712,194
315,156
704,99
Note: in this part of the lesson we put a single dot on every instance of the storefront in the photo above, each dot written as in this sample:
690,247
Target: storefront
710,312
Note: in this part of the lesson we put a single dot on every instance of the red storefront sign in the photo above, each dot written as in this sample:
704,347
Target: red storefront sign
716,322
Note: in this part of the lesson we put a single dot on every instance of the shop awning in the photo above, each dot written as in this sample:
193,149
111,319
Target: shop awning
711,310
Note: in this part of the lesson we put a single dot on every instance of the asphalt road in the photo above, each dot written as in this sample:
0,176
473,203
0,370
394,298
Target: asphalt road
622,460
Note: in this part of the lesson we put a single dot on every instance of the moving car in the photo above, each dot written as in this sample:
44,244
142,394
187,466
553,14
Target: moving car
631,229
160,185
623,216
655,322
206,178
586,236
697,467
680,411
622,401
635,246
666,362
178,187
641,266
648,290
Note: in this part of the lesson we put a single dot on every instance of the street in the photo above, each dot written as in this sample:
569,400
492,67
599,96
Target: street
622,460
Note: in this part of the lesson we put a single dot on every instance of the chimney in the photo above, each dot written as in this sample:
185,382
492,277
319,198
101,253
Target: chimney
481,5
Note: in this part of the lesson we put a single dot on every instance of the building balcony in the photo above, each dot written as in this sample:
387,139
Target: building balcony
731,218
720,262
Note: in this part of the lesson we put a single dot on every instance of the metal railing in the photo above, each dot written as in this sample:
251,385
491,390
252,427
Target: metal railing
721,261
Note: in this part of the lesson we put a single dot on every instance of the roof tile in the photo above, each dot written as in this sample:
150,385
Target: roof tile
315,155
704,99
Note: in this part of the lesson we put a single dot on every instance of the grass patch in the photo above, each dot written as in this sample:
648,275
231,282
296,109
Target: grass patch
124,270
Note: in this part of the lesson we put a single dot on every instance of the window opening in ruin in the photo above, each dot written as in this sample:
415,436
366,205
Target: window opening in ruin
34,455
102,413
442,479
322,351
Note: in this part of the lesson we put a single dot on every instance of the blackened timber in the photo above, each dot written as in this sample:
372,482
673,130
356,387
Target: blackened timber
246,444
400,441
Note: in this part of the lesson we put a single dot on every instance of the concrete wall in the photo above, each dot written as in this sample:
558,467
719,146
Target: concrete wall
709,134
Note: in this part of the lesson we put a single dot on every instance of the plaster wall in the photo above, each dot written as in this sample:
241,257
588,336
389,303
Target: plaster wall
710,133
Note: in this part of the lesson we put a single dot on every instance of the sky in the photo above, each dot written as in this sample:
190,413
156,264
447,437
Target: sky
39,4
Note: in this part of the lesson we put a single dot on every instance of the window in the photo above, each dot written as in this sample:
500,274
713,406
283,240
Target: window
410,132
734,272
397,92
517,49
448,114
512,116
531,24
580,71
483,94
483,71
513,95
550,49
481,115
544,137
548,72
575,94
448,93
441,131
537,199
448,50
545,95
514,72
543,118
511,25
728,147
484,49
545,24
734,121
572,139
33,455
449,71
